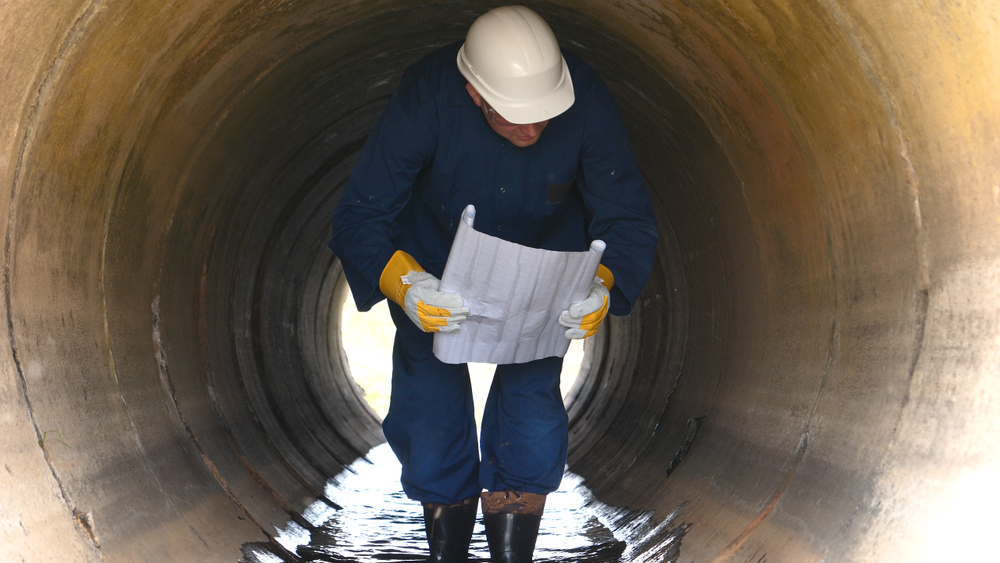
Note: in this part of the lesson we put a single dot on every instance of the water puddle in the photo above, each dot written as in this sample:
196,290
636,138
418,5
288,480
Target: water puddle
378,523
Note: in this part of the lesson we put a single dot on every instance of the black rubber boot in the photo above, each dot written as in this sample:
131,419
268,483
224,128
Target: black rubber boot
511,536
449,530
512,521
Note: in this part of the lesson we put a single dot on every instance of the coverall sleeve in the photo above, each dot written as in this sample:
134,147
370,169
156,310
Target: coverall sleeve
365,220
617,199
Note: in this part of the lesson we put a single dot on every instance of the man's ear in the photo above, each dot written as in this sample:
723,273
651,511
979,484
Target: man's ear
474,95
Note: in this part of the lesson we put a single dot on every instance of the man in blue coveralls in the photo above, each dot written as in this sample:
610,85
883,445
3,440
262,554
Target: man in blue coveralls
533,139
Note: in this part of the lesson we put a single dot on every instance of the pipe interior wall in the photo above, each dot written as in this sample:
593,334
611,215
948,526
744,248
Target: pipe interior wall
824,310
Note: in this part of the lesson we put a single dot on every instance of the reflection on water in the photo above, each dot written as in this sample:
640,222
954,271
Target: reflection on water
378,523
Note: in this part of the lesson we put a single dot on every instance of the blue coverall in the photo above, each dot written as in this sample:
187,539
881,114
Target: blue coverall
432,153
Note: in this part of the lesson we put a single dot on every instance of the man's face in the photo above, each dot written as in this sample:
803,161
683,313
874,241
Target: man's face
519,135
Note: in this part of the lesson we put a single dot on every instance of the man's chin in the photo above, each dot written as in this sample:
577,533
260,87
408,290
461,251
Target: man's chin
518,141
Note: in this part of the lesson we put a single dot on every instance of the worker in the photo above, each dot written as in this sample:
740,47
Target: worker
533,139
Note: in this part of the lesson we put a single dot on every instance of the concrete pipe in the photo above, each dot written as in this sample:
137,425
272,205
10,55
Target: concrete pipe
810,374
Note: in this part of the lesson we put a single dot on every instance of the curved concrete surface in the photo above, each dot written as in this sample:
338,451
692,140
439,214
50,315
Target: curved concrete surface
827,295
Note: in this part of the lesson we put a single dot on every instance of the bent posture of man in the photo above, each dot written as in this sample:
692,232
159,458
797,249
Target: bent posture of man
534,140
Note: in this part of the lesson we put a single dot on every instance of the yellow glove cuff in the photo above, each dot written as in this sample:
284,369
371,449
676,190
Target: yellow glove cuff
607,278
391,282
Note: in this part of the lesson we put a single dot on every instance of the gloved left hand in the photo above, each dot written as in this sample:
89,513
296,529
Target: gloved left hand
583,318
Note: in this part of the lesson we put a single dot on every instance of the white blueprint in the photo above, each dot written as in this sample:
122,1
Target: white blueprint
514,294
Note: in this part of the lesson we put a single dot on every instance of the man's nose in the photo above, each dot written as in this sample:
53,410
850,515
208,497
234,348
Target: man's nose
530,129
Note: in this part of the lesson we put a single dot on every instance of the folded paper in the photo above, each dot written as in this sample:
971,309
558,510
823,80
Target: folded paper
514,295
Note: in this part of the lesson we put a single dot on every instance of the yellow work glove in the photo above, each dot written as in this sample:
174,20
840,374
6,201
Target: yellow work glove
583,318
416,291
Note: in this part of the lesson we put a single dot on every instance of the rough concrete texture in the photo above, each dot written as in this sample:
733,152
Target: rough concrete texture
827,295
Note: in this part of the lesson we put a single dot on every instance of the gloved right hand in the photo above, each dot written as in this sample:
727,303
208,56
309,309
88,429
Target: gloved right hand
583,318
416,291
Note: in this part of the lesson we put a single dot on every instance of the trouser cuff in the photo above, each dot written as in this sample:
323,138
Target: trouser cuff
512,502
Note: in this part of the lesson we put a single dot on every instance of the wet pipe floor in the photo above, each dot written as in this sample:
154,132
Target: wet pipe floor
376,522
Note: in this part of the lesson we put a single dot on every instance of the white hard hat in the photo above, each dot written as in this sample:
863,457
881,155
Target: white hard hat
512,59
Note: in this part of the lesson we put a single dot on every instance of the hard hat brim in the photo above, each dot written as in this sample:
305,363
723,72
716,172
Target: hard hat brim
520,112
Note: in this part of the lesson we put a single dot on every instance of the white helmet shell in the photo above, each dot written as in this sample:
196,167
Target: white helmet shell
511,57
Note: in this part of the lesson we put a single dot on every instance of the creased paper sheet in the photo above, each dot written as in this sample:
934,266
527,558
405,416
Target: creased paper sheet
514,294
